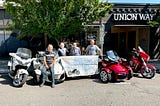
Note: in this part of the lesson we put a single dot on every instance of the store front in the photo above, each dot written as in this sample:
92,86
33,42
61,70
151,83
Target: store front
127,28
125,38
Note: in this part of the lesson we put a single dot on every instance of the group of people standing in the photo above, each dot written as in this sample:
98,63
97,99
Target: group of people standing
75,51
50,57
91,49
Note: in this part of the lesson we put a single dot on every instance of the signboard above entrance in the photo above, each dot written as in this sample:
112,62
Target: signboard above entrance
133,16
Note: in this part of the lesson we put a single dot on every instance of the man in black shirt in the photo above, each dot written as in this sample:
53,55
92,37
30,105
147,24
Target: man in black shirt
49,61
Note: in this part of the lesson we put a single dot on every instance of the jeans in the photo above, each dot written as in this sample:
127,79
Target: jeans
44,74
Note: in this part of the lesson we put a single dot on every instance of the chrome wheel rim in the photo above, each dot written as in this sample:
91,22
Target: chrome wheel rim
104,76
147,73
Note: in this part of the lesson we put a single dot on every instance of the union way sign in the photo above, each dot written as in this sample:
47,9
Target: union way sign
133,16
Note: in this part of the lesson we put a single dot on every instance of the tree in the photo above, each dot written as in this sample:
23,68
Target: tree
53,18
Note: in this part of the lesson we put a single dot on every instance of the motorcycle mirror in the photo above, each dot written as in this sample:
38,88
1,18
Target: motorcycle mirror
106,59
134,49
123,59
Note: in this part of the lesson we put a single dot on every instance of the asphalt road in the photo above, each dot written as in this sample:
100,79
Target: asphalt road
82,92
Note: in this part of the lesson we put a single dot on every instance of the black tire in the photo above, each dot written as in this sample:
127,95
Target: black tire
19,82
130,75
37,79
148,74
105,76
94,76
62,78
11,74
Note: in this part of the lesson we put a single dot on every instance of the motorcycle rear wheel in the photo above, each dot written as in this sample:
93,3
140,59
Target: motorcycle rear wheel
37,79
150,74
19,82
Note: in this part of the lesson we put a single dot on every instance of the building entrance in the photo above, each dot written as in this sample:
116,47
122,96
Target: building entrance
123,40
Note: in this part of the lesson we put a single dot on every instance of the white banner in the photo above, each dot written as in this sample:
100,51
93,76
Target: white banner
79,65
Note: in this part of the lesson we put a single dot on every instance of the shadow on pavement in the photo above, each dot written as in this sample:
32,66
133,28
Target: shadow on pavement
31,82
158,71
137,75
5,80
99,81
80,77
76,78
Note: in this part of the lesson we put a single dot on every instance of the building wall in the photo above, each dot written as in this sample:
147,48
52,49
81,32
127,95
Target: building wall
144,40
133,16
8,40
4,20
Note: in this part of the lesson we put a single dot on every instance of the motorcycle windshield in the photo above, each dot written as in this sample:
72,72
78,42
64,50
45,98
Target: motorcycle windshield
112,56
140,49
143,54
24,53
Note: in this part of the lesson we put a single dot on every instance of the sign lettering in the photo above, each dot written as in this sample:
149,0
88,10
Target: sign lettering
131,16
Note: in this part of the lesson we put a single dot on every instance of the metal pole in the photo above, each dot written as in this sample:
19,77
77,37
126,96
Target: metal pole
4,25
5,45
102,36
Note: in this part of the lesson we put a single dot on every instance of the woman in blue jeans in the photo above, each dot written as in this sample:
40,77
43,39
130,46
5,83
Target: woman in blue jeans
49,61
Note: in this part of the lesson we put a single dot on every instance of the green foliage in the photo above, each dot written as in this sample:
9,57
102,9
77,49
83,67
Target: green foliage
55,18
155,23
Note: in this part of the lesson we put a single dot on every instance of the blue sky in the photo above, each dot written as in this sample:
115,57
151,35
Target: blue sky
134,1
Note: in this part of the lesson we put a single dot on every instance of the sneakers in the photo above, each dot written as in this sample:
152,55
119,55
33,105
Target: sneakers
53,85
41,85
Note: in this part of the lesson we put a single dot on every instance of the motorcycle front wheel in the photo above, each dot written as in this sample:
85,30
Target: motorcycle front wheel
150,73
105,76
62,79
19,82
